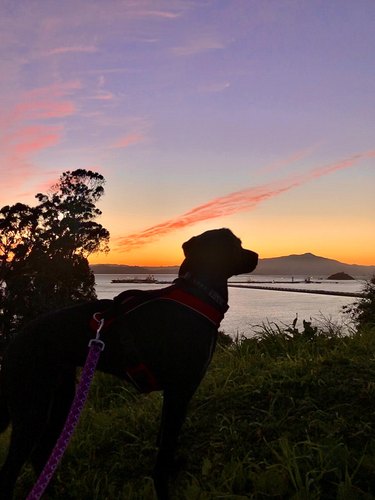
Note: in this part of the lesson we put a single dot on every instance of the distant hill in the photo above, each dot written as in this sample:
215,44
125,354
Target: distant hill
310,265
306,264
340,276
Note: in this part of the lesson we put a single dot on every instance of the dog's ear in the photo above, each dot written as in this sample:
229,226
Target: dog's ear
188,246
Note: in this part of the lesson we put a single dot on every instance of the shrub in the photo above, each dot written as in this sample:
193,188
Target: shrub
362,312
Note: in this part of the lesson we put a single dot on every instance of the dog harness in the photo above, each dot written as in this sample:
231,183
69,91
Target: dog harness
139,374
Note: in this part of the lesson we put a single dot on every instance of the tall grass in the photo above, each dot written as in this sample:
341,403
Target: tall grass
289,414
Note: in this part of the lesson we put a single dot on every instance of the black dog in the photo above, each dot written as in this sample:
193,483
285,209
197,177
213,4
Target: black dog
160,339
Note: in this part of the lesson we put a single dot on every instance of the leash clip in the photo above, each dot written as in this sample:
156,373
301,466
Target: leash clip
98,343
96,340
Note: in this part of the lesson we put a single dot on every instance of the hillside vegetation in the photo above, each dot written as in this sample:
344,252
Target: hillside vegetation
287,415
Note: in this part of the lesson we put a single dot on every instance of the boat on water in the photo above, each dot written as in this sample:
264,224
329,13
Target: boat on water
149,279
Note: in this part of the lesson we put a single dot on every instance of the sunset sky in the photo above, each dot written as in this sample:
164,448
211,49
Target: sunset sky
257,115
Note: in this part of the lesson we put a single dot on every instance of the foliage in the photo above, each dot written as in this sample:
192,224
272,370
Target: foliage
362,312
68,214
278,416
223,339
44,249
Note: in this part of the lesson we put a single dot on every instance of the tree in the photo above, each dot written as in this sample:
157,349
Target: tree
44,249
68,214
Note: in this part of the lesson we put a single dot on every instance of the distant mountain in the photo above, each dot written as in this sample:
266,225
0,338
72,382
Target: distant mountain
310,265
306,264
164,270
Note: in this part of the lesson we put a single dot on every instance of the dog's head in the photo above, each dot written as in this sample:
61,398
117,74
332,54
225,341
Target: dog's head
218,251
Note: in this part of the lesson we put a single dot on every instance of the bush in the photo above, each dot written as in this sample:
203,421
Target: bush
362,312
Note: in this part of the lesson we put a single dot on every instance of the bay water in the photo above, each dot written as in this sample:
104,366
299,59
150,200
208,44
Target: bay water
249,308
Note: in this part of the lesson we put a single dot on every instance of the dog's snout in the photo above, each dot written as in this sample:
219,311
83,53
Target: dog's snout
250,260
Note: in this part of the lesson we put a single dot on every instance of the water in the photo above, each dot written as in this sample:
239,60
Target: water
251,307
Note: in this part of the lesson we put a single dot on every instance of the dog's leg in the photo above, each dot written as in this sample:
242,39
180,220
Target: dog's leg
29,399
27,427
20,446
62,400
175,403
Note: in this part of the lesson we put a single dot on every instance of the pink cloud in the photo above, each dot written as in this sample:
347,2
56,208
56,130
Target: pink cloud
18,149
45,102
29,140
103,96
239,201
215,87
198,45
72,49
278,164
55,90
157,13
25,130
35,110
129,140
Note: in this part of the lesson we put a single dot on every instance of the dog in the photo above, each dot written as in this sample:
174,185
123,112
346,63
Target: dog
158,340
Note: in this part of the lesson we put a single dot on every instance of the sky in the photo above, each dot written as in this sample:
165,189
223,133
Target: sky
256,115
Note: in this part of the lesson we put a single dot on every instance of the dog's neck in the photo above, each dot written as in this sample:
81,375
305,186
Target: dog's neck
215,289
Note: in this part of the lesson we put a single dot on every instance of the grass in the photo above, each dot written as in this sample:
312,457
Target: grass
287,415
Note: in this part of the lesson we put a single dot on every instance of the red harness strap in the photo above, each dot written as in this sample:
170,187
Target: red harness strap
132,300
196,304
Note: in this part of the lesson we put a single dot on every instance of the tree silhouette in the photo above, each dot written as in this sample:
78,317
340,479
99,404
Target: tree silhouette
44,249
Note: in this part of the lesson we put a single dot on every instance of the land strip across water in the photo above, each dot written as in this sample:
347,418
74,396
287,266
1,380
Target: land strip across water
298,290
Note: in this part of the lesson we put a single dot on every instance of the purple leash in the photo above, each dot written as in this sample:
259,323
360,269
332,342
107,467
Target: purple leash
95,348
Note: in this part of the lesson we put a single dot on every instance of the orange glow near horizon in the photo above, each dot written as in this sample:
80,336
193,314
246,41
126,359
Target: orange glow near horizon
173,259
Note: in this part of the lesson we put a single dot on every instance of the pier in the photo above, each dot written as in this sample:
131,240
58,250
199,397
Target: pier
298,290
